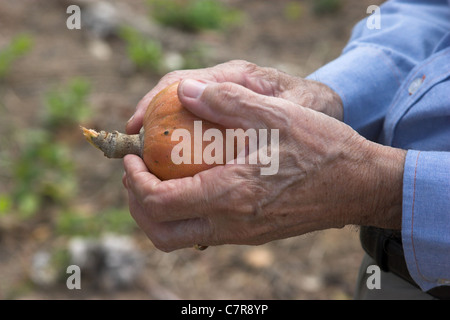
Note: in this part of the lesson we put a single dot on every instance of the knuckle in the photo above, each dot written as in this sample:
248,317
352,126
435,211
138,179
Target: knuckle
251,188
241,63
161,245
277,116
251,67
152,208
225,97
159,239
172,75
228,91
234,96
246,67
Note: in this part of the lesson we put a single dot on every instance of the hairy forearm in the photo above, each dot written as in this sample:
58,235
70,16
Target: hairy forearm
381,185
376,170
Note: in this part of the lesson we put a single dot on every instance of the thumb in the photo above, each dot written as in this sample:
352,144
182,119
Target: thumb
230,104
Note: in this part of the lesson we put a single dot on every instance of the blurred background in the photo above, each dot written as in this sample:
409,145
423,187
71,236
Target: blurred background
62,202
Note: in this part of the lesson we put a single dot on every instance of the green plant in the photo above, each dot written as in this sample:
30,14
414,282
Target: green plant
326,6
68,104
59,260
116,220
293,10
42,170
193,15
18,46
195,57
5,203
146,54
43,174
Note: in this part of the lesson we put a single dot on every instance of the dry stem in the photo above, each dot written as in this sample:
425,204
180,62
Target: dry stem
116,144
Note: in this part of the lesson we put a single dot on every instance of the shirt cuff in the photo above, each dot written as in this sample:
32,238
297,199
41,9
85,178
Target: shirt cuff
426,217
366,78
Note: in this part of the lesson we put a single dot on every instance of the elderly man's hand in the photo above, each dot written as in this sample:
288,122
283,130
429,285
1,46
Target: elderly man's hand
265,81
328,176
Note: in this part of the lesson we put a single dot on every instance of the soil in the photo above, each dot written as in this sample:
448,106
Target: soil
320,265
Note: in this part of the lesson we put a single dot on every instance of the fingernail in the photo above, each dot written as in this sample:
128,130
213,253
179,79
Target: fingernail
129,120
192,88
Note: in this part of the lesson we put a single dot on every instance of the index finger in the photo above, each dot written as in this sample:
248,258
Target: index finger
135,123
137,175
175,199
236,71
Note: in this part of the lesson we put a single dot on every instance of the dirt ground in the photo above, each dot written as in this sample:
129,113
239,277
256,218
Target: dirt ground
321,265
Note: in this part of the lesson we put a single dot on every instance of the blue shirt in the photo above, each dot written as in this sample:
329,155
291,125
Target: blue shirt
395,86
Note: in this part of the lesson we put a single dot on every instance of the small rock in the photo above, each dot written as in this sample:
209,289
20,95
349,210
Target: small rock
43,272
111,262
100,49
101,18
259,257
311,283
173,61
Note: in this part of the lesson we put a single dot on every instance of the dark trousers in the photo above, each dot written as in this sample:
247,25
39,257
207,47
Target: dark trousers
392,287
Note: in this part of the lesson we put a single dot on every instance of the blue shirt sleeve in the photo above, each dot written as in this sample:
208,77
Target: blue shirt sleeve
426,217
376,61
375,67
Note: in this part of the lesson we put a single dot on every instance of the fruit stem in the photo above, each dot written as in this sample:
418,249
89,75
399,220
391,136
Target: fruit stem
115,144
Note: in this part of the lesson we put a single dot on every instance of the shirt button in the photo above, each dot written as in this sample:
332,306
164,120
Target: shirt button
414,86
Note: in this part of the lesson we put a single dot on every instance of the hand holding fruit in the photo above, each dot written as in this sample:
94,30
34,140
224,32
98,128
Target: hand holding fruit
329,176
265,81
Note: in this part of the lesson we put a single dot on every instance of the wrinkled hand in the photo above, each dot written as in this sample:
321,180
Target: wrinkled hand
265,81
329,176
